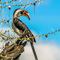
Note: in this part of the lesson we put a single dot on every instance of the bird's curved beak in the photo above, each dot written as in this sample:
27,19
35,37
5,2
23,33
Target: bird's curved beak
26,14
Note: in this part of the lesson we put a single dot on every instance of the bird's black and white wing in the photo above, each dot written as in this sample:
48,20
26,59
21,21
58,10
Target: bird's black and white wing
21,27
19,24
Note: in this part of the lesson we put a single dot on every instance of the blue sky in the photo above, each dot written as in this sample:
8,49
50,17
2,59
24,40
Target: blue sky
46,19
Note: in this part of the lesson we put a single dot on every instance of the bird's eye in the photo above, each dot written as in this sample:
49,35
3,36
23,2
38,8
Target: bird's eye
22,12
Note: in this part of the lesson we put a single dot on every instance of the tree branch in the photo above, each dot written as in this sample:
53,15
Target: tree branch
13,51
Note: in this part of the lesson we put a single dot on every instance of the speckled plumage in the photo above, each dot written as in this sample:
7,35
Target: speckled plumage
19,28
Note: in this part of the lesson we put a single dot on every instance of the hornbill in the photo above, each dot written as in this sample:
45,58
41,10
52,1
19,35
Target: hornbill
21,29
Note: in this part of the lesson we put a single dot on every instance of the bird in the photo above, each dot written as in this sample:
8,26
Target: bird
21,29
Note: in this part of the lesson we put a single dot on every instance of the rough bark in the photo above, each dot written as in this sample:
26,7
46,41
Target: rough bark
13,51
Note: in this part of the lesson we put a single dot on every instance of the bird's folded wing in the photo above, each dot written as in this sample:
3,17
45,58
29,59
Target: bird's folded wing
19,24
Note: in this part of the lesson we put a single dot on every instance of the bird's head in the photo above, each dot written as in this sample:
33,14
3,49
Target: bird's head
19,12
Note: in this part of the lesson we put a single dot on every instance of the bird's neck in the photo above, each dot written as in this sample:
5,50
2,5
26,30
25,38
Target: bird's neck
15,17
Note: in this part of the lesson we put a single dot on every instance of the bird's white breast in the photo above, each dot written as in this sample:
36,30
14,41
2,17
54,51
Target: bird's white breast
16,30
